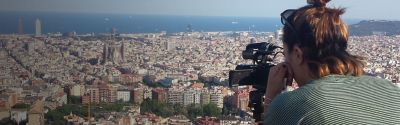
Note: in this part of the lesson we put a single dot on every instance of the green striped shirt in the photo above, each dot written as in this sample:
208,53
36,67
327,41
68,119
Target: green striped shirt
338,100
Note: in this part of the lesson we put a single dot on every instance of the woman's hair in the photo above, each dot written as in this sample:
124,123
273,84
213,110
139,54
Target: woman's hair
322,35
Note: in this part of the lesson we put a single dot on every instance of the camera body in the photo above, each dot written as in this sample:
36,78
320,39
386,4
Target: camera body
256,75
262,55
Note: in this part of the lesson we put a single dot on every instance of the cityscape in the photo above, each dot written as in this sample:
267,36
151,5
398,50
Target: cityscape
157,62
144,78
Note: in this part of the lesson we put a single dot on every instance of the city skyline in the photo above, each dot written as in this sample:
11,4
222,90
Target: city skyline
62,72
175,62
356,9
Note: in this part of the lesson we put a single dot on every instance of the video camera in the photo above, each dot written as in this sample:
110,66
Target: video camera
256,75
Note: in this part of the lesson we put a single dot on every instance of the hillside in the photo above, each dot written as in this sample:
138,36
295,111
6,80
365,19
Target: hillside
375,27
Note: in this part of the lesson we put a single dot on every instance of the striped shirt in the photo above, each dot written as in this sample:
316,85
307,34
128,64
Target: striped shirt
338,100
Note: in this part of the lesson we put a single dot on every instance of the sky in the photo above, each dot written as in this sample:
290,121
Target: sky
356,9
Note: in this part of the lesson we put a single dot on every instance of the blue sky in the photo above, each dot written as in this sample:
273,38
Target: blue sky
356,9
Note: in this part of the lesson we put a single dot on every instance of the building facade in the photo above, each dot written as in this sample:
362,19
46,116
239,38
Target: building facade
160,95
137,95
205,98
77,90
92,95
175,96
216,97
124,95
38,28
241,99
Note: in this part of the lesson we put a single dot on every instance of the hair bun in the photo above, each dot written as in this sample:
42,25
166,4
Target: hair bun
318,3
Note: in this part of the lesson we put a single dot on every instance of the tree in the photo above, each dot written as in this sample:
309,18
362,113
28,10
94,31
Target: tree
146,106
74,99
156,107
211,109
194,111
228,109
57,115
179,110
21,106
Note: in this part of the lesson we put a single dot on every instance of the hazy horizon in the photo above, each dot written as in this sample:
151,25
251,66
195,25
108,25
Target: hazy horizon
356,9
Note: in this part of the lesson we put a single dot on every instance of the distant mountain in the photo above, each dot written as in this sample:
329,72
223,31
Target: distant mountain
375,27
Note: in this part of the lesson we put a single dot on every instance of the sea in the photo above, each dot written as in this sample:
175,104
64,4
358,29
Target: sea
81,23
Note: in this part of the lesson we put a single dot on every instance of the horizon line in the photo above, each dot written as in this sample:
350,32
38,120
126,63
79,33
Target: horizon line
179,15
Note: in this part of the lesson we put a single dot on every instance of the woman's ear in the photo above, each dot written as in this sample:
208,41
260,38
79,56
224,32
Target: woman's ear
298,54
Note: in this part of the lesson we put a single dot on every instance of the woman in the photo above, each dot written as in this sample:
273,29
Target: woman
332,88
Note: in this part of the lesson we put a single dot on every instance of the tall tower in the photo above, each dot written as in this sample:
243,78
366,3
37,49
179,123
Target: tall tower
122,51
20,26
114,54
111,51
105,53
114,48
38,27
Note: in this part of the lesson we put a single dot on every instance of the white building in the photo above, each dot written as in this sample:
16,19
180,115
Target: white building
191,96
175,96
147,94
19,115
169,45
188,97
77,90
205,98
124,95
38,28
278,34
61,99
197,97
217,98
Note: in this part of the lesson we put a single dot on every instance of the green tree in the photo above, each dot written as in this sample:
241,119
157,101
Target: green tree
145,106
194,111
74,99
179,110
167,110
228,109
57,115
158,108
211,109
21,106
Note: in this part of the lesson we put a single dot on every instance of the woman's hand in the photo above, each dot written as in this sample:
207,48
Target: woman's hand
276,82
278,75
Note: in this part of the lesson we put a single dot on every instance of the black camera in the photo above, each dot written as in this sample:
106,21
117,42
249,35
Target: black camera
256,75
